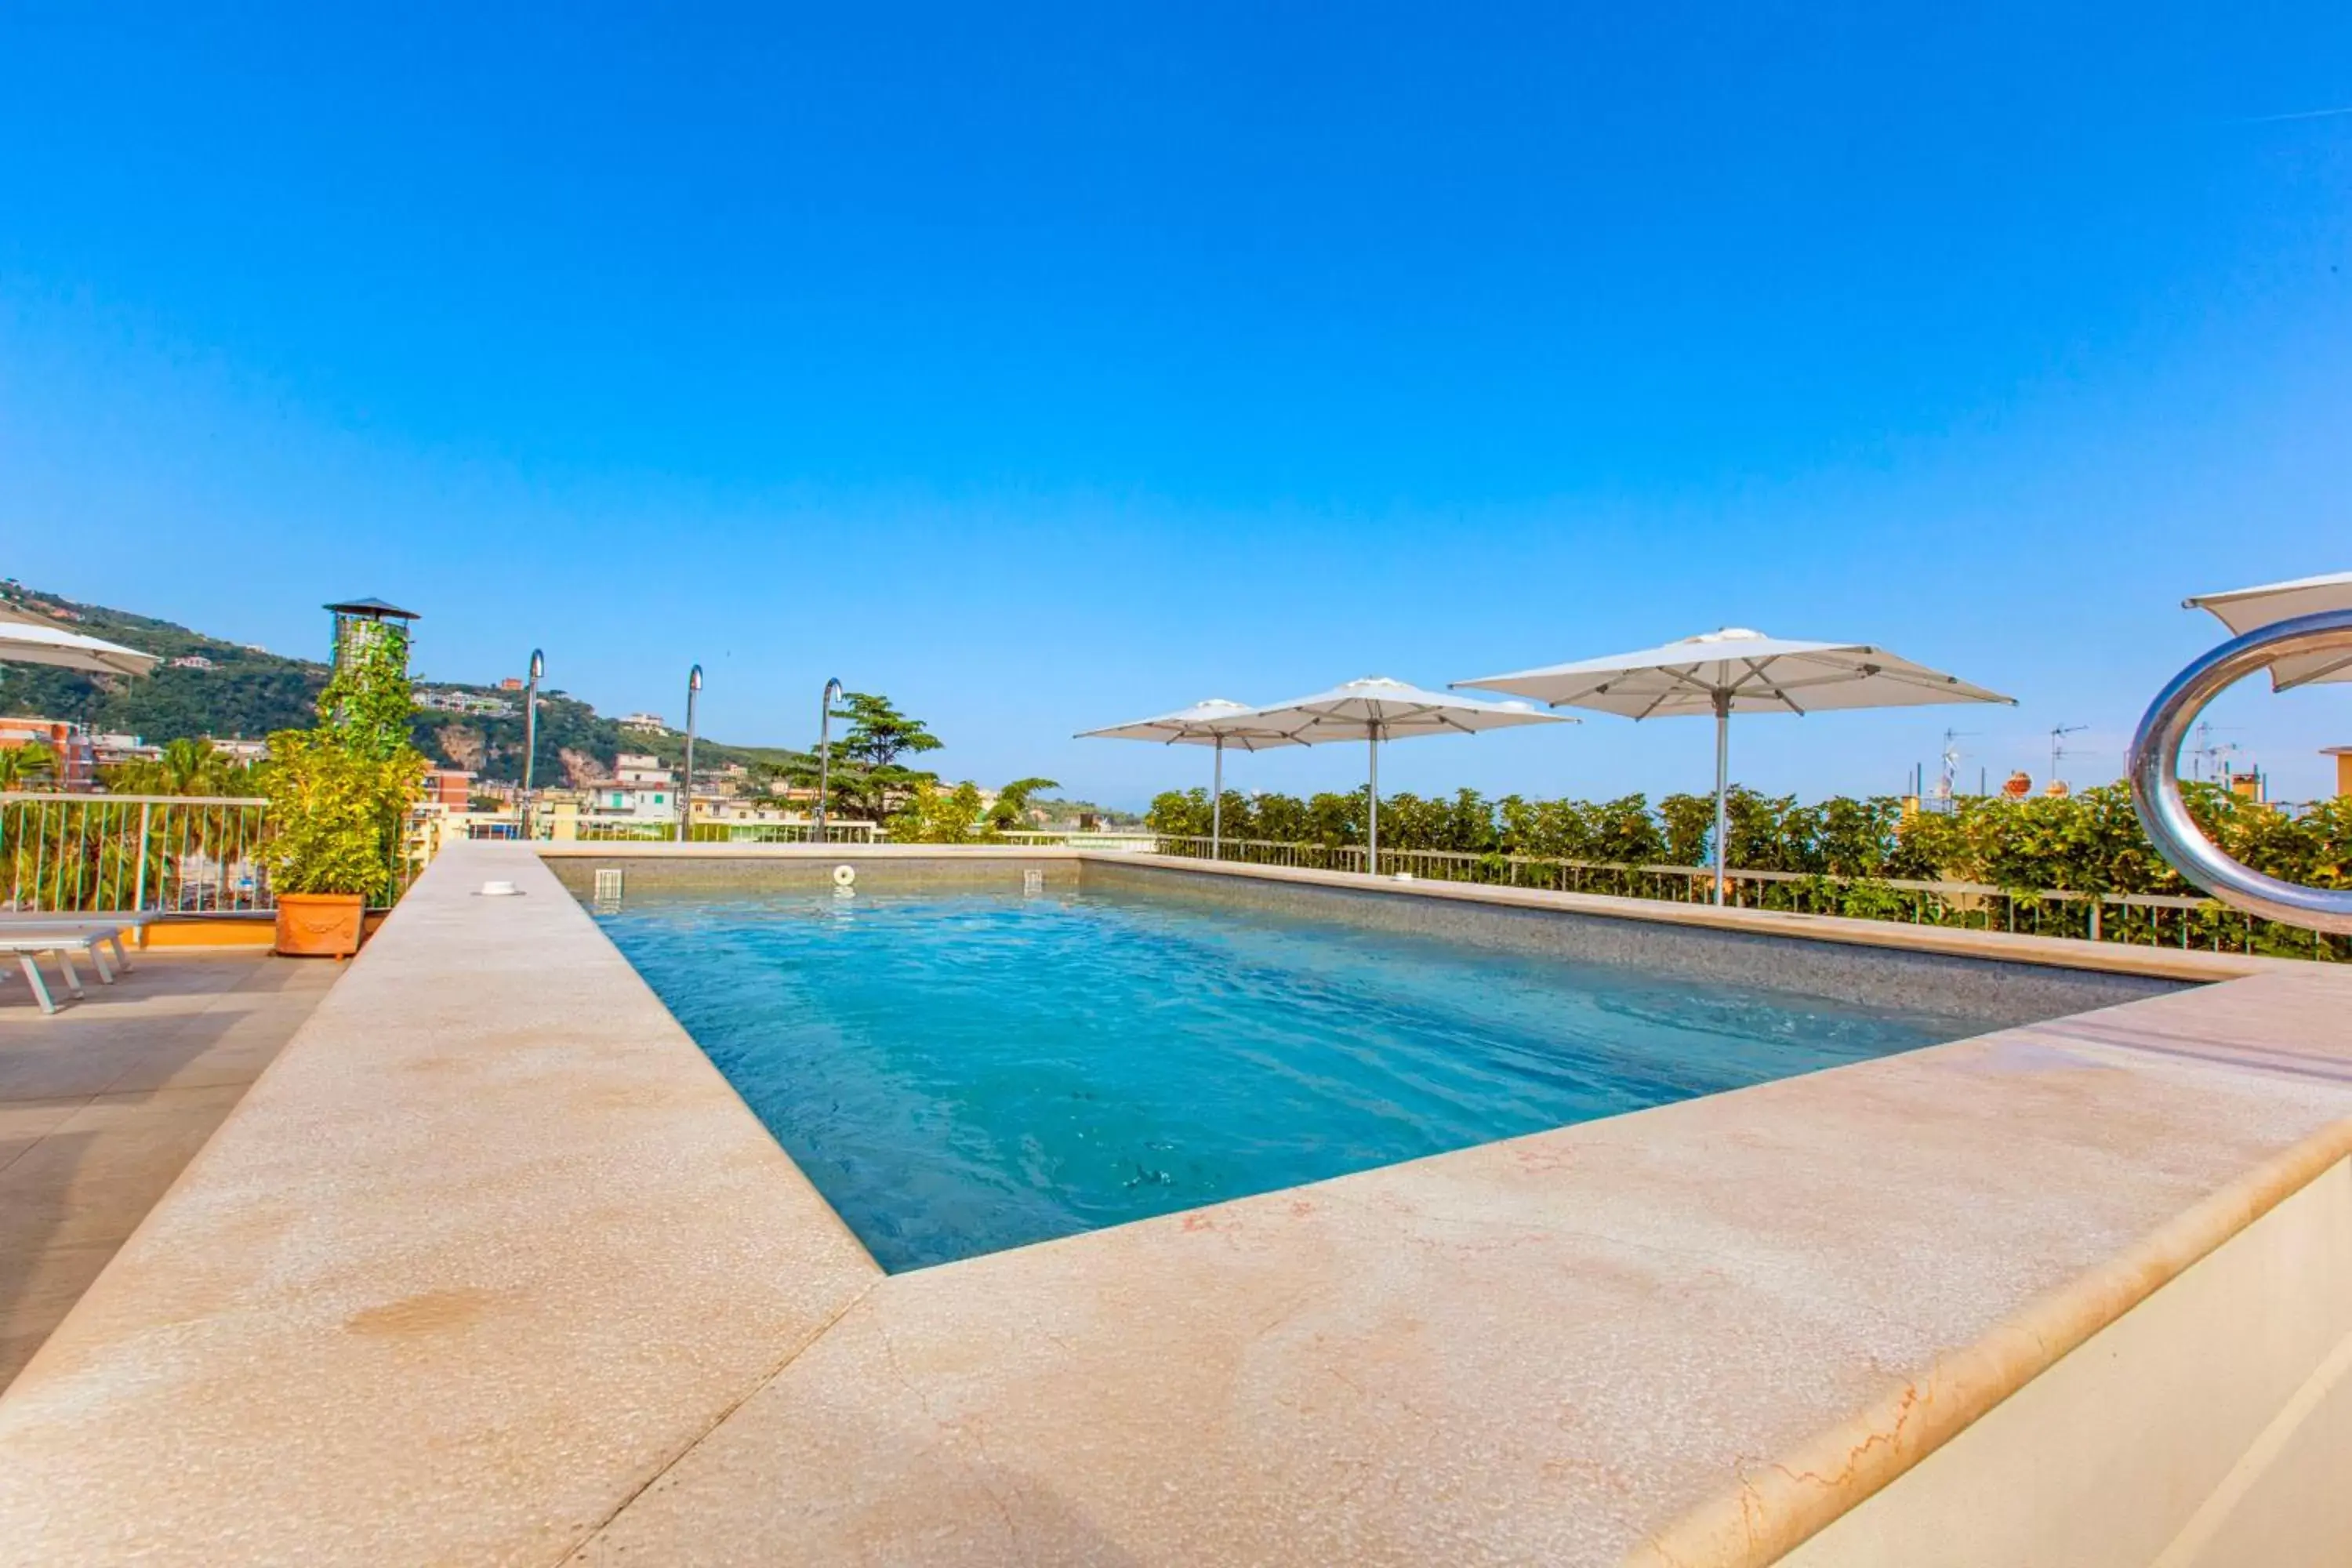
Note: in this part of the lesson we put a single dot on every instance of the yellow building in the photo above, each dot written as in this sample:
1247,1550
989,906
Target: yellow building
2343,755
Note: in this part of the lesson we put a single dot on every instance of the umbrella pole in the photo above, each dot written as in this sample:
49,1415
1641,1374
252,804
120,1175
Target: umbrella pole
1372,860
1722,785
1217,805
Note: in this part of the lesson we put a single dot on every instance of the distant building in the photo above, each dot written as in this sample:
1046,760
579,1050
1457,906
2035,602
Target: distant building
192,661
511,683
2343,755
236,749
441,700
117,748
642,768
642,788
451,789
731,808
73,759
644,721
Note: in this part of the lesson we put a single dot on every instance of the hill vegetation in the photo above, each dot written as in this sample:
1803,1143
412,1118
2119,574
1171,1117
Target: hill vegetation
250,691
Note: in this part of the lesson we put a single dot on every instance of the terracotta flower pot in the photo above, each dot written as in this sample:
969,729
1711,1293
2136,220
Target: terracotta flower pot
316,925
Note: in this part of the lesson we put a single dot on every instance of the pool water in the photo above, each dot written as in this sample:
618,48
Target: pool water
960,1073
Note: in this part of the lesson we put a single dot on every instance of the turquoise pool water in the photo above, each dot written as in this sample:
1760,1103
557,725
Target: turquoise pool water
960,1073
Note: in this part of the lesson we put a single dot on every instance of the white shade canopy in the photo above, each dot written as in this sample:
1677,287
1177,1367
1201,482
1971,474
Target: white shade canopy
1217,721
28,639
1377,708
1739,671
2243,610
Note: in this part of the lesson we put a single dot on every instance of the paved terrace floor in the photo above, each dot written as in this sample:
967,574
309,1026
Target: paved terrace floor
103,1105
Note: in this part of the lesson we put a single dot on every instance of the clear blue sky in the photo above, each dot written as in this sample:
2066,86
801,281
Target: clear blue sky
1046,368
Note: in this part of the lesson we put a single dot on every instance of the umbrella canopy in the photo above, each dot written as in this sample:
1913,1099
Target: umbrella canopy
1377,709
29,639
2243,610
1746,671
1735,671
1217,721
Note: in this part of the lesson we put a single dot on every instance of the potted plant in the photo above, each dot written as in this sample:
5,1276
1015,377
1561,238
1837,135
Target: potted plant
339,795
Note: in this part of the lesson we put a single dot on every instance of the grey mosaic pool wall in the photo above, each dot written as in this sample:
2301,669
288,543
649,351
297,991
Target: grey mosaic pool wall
2002,994
895,874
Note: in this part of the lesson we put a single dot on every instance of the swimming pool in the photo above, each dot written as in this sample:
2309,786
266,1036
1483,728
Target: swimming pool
960,1072
965,1071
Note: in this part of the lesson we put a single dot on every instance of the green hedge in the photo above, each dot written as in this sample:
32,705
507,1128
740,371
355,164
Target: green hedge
1849,850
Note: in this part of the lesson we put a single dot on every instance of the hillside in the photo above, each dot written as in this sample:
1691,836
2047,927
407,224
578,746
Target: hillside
251,691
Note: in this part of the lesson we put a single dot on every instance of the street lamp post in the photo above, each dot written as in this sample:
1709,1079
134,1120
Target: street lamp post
530,736
686,793
825,752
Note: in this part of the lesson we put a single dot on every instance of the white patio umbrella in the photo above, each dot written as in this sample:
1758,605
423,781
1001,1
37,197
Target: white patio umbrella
1736,671
1218,723
2243,610
1377,709
29,639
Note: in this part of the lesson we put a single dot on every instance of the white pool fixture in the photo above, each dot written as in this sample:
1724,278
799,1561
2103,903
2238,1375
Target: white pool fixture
1405,876
845,875
1032,881
499,889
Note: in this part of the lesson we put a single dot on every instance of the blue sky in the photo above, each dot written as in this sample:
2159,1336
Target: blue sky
1047,367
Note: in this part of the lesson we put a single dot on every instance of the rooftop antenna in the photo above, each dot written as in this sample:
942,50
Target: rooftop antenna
2058,734
1949,786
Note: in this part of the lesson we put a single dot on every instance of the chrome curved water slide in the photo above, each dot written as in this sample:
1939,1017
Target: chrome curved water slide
2301,633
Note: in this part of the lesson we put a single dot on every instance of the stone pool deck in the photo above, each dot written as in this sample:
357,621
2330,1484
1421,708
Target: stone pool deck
103,1104
491,1266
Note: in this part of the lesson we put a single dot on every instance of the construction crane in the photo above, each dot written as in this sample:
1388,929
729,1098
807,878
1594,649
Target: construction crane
2210,758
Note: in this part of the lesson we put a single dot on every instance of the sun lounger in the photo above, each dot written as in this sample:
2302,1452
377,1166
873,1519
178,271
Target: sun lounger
26,944
113,924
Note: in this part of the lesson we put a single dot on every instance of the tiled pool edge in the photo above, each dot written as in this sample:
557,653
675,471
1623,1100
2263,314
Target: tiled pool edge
651,1512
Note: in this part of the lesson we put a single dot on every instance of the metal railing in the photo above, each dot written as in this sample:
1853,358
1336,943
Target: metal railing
2142,919
170,854
1076,839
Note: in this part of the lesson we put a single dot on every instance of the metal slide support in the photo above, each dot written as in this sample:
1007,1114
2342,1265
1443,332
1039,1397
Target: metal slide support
2154,773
